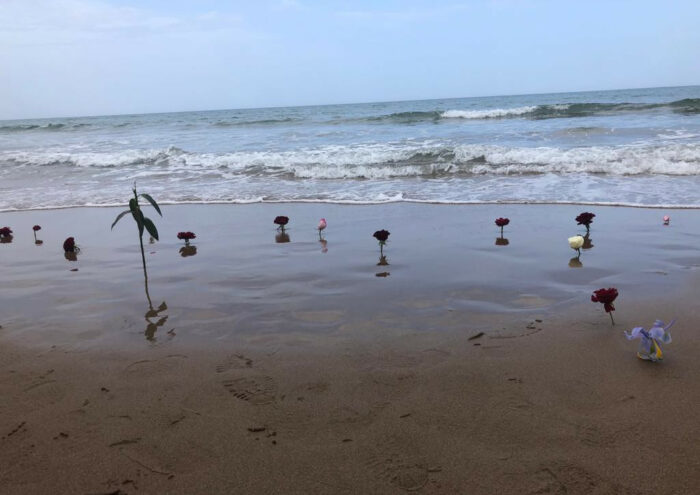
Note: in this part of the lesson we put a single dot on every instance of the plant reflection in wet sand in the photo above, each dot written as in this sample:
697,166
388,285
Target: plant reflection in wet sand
152,326
186,251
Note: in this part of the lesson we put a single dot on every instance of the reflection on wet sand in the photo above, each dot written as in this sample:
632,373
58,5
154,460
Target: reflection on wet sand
186,251
587,242
502,241
151,326
382,261
324,245
282,237
575,262
70,255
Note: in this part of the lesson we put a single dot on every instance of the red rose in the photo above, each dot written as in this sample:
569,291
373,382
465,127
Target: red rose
605,297
502,222
381,235
69,245
186,235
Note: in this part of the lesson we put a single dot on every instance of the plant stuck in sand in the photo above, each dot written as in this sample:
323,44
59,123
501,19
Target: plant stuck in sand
69,246
281,222
576,242
382,236
322,224
649,347
142,222
606,297
585,218
502,222
186,236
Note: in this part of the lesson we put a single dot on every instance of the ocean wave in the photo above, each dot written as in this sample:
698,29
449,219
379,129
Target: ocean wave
377,161
687,106
496,113
261,122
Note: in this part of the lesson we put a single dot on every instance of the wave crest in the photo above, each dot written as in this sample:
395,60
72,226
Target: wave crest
378,161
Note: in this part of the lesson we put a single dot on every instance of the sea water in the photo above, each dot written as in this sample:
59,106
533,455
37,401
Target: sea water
637,147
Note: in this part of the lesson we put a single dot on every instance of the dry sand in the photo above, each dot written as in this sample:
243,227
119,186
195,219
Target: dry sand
282,369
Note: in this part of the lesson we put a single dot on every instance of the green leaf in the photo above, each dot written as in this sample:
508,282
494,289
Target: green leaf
151,228
148,198
137,214
119,217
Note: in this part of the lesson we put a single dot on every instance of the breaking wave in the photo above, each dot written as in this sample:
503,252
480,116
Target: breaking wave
378,161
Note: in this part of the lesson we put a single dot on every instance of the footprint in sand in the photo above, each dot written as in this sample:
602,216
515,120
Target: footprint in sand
234,362
43,392
400,465
257,390
570,479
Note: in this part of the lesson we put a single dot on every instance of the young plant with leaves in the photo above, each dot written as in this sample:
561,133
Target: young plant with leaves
142,222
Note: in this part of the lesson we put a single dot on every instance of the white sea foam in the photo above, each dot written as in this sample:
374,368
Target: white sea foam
495,113
373,161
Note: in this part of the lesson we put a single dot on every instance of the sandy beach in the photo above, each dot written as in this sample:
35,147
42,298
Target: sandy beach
465,365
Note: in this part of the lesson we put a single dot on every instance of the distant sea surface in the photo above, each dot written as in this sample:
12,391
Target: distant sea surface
636,147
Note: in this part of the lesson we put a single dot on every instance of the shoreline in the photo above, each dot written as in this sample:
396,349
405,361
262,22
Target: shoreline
469,367
369,203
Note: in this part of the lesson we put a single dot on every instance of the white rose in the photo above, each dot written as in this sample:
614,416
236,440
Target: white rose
576,242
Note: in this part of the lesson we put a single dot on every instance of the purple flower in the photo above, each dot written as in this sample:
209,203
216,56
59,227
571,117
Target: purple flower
649,347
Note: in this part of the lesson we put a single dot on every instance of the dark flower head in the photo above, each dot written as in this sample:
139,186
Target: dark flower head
606,297
186,235
36,227
5,232
381,235
281,220
502,222
69,245
585,218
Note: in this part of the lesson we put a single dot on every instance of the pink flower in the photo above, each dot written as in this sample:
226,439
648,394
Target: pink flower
667,219
322,224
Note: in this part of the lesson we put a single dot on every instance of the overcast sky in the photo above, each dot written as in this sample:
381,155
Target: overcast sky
94,57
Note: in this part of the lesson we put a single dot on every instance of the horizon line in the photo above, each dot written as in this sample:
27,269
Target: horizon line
338,104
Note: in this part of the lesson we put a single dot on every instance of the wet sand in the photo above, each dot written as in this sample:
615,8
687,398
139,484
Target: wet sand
264,367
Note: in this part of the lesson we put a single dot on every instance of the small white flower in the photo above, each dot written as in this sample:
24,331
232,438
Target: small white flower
576,242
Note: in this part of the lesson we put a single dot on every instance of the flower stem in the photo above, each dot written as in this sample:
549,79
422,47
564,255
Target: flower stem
611,318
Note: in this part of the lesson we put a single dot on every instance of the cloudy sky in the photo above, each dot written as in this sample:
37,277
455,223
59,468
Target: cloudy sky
94,57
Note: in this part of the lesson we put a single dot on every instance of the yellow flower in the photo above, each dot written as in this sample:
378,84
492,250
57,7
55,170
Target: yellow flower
576,242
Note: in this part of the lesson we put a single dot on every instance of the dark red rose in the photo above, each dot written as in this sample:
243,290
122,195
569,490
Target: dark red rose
36,227
69,245
186,236
502,222
281,221
605,297
585,218
381,235
6,232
